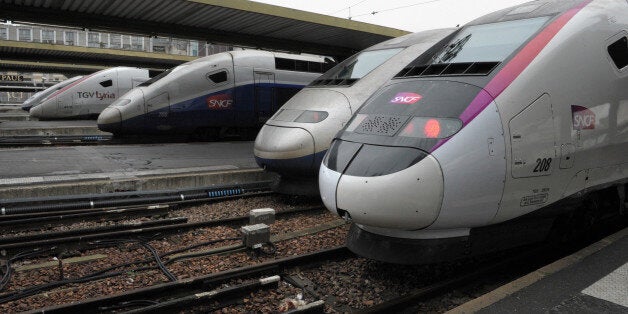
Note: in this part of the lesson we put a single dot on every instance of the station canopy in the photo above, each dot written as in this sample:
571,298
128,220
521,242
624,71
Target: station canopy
232,22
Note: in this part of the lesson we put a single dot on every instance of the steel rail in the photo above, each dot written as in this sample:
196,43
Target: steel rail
81,216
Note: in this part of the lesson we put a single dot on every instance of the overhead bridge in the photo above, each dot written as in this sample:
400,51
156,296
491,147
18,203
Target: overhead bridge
233,22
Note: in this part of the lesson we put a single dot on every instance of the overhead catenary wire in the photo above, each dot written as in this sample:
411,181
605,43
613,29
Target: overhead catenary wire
349,7
395,8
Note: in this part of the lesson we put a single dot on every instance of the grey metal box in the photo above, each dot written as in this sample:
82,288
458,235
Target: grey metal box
262,215
255,235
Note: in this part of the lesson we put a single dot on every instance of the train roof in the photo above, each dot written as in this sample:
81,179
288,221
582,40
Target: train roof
114,69
412,39
527,10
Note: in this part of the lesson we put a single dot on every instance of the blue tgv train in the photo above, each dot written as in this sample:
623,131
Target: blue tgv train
212,96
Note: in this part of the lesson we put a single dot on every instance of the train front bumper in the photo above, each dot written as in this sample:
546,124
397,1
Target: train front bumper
285,150
110,120
409,199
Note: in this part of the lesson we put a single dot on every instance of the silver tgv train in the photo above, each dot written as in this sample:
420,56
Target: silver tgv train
38,97
88,96
225,92
293,142
483,144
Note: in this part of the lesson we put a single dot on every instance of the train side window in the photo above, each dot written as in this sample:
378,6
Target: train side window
107,83
218,77
619,52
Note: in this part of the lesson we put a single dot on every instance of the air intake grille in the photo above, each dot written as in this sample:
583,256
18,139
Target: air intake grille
381,125
449,69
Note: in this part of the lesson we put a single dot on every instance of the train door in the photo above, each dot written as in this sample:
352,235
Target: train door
533,140
264,95
158,113
65,104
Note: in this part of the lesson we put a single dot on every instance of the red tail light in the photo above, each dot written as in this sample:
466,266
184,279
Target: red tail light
431,128
435,128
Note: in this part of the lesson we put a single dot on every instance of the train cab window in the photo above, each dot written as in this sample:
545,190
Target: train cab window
489,42
218,77
107,83
354,68
303,66
619,52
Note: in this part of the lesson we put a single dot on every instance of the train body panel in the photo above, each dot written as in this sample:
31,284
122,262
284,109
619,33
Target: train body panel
324,107
584,116
88,96
233,89
523,110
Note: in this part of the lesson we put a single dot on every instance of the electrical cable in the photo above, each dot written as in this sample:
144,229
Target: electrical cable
396,8
347,8
159,262
105,273
6,277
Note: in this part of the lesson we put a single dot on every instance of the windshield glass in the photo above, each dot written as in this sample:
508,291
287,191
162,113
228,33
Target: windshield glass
489,42
160,76
359,65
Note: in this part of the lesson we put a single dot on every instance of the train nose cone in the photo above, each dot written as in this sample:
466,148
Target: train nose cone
383,187
36,112
27,105
110,120
285,150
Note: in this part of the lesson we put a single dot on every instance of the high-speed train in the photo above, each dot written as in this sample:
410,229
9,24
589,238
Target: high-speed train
207,97
491,141
39,96
88,96
293,142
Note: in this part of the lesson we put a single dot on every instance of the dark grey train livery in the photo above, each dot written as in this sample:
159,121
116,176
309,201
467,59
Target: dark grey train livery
487,134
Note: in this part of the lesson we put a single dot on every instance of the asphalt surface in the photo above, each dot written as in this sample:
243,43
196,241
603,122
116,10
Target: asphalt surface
76,160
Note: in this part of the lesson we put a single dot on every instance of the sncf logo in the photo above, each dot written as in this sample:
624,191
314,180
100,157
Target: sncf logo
583,118
406,98
219,102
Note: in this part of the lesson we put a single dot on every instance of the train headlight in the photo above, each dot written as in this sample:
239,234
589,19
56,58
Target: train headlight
431,127
302,116
310,116
121,102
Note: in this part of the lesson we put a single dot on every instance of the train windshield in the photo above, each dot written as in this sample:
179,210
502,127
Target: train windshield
356,67
162,75
488,42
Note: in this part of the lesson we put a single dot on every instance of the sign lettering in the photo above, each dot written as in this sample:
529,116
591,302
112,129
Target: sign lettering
406,98
98,95
219,102
583,118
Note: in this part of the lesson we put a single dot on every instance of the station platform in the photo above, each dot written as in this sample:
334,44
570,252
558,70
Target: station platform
76,170
11,108
48,128
592,280
15,116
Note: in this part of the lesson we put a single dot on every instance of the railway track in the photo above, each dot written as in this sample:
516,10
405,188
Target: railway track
204,266
82,239
56,243
233,288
